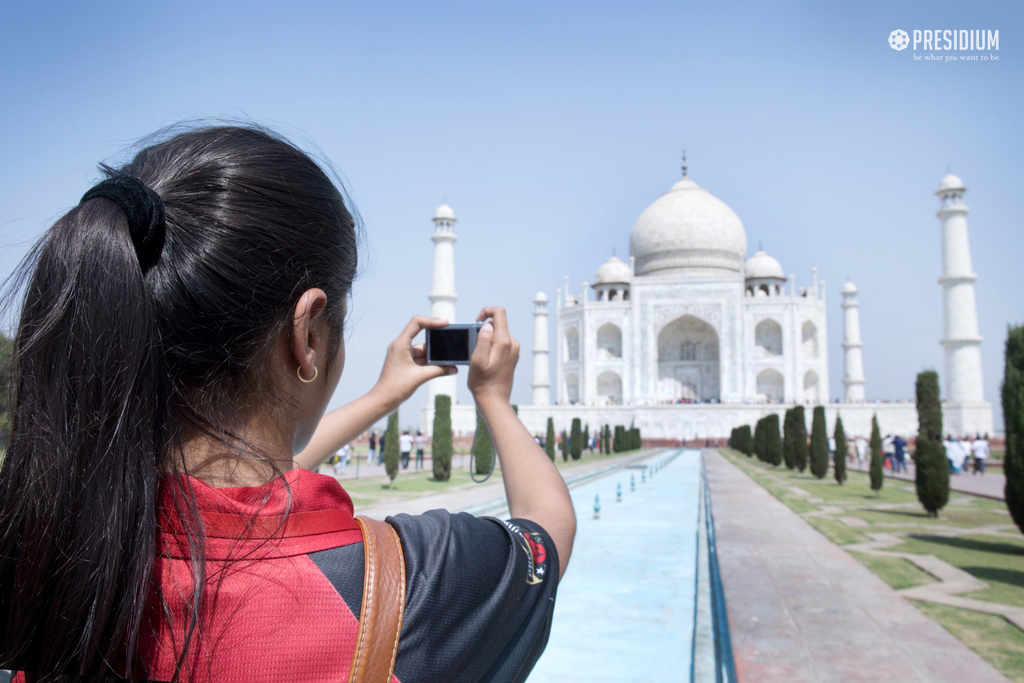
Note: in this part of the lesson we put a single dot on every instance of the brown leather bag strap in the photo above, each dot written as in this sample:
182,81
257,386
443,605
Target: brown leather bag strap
380,619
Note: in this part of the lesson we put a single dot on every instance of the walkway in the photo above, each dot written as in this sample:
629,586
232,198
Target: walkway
992,484
801,609
625,611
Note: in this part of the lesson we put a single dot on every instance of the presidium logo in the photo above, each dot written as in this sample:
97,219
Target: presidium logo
898,40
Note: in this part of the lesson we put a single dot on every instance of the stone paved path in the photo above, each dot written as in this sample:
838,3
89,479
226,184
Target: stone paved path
802,610
990,485
625,609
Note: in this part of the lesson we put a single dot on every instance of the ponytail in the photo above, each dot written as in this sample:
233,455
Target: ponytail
78,482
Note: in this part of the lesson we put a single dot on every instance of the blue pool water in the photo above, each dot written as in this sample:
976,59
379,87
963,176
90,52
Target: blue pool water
625,609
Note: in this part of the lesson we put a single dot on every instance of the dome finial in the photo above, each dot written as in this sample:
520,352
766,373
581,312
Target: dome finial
684,163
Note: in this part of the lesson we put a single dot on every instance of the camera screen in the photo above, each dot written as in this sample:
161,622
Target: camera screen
450,345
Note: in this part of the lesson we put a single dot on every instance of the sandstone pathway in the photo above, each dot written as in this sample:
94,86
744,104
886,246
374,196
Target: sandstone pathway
801,609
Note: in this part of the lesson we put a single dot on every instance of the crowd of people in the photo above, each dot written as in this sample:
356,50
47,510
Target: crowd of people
959,451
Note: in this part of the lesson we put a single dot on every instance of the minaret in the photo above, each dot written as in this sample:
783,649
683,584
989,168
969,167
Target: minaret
442,294
960,316
853,378
541,383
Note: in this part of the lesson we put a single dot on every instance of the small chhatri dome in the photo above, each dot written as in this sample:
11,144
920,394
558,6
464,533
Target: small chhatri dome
762,266
541,298
951,182
444,212
849,288
688,229
612,271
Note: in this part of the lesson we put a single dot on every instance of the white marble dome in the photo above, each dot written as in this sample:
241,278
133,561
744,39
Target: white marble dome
688,229
444,212
849,288
541,298
763,266
612,271
951,182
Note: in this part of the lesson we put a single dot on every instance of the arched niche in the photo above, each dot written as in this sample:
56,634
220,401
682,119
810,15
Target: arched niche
809,337
767,339
688,365
609,388
572,344
609,341
770,386
812,393
572,387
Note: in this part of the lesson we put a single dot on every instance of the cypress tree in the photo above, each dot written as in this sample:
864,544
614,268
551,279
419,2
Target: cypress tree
788,439
586,436
441,451
564,445
607,439
819,443
576,440
931,469
732,438
799,439
758,438
877,477
1013,415
392,449
746,440
617,439
839,467
549,439
772,440
483,446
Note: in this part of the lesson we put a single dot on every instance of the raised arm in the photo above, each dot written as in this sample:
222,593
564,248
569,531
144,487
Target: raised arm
404,370
533,486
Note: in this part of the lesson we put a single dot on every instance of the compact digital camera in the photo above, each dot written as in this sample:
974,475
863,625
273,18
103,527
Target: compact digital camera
452,344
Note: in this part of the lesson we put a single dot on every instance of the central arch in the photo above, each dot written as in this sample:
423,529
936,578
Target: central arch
688,367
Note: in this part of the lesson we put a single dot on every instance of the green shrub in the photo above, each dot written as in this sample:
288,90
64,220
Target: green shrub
772,440
877,476
839,466
392,449
586,436
549,439
607,439
576,439
759,440
746,440
1013,415
799,439
441,450
564,445
931,468
483,446
819,443
789,439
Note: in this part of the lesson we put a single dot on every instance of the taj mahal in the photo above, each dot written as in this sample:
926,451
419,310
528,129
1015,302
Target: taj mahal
691,337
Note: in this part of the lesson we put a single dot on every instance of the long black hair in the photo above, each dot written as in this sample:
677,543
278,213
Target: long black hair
114,363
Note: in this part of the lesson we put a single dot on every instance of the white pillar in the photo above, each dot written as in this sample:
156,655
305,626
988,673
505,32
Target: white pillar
960,316
814,279
853,377
442,294
541,382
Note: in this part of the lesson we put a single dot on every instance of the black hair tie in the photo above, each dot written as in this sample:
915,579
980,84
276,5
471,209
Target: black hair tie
144,210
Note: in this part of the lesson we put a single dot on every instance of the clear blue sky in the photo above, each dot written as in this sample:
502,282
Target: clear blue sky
549,127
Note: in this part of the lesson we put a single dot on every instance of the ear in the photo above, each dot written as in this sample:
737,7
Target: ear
307,338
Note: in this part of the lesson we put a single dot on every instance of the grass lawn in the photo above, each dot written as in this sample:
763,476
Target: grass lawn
998,641
997,560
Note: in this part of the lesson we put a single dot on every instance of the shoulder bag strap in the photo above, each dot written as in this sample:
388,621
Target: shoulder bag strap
380,619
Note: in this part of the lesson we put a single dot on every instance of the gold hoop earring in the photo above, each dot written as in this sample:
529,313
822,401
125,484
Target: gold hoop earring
298,373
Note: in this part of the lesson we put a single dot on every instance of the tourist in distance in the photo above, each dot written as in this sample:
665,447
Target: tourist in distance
955,453
899,445
421,445
405,442
371,455
181,334
861,446
980,447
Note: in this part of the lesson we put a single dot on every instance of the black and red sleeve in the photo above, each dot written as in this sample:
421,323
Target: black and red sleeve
479,597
